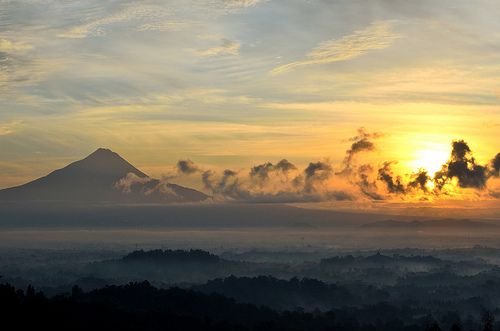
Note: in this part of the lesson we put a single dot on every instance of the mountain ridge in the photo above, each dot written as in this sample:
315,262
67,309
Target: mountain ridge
94,178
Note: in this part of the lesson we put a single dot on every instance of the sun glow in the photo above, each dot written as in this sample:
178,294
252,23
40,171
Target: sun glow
430,159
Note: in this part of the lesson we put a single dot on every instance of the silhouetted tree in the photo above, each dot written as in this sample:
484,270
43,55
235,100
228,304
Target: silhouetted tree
488,319
76,292
434,326
30,292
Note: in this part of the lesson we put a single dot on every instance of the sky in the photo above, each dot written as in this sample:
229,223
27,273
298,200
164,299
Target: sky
231,84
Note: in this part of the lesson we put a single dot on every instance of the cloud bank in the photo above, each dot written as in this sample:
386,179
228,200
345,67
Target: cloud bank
322,180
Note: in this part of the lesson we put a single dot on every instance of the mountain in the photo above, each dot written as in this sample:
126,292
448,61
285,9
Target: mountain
102,176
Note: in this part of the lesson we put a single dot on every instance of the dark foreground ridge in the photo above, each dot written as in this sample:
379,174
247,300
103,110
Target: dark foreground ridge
140,306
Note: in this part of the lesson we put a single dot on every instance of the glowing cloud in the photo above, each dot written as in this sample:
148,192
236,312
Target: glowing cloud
284,182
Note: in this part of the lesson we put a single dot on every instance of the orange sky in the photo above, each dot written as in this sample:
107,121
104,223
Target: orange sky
223,84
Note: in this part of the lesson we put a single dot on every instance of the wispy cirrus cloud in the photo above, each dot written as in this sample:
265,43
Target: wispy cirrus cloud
152,17
378,35
227,47
18,68
12,46
240,3
10,127
146,17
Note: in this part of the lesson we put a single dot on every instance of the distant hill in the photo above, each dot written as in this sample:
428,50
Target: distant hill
378,260
430,224
97,178
171,256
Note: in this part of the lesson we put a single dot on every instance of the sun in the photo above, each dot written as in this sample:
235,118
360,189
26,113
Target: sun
430,159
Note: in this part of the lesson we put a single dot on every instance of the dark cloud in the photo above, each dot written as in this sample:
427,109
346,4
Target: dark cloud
460,150
228,185
207,177
285,166
229,173
262,171
495,166
419,180
234,185
463,167
361,145
187,167
298,181
211,182
316,172
363,142
365,168
393,183
367,186
372,195
234,190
